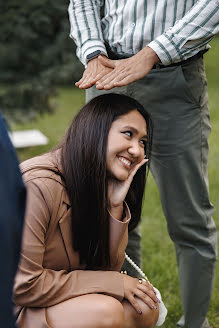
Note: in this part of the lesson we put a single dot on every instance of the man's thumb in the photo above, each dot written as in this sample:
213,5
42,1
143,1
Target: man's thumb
106,61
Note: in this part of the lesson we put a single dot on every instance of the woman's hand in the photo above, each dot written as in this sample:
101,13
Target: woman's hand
144,291
117,191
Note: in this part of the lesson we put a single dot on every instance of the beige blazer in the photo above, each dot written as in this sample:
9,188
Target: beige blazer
49,270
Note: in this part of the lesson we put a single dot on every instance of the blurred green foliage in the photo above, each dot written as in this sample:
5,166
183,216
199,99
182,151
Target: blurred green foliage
36,54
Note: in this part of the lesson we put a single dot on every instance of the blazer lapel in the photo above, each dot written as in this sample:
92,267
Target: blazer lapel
65,225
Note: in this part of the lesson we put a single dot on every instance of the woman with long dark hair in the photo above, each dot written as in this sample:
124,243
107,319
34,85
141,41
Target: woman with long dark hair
81,197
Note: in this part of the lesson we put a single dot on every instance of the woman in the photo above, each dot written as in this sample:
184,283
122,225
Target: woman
77,220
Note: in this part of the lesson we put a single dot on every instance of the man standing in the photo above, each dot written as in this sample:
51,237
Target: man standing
12,206
155,54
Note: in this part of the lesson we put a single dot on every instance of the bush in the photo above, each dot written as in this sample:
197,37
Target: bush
36,54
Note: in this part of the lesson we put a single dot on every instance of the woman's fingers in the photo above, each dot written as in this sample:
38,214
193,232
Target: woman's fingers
117,190
148,291
132,300
146,299
136,168
134,289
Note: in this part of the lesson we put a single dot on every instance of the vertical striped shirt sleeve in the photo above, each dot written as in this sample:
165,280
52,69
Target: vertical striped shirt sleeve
190,34
85,22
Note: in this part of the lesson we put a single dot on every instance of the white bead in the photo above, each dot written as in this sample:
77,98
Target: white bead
135,266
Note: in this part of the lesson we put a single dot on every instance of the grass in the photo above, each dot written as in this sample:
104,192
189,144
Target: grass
53,125
158,251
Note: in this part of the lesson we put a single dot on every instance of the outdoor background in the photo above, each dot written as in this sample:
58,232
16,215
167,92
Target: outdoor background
38,69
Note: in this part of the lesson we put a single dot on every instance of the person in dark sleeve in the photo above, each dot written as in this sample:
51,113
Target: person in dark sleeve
12,208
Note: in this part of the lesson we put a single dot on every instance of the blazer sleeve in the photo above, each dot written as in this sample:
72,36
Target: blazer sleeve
119,239
36,286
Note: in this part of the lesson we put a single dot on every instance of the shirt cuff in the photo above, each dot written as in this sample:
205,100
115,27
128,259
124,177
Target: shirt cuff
126,218
166,50
91,46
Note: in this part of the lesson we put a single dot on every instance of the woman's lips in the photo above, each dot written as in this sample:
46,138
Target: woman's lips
125,162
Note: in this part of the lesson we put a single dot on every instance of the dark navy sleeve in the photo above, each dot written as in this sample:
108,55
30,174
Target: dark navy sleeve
12,208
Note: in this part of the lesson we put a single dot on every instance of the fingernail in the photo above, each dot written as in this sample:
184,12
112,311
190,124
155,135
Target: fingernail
154,307
140,312
158,301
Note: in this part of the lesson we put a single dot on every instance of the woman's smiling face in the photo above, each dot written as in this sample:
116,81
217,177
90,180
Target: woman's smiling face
126,144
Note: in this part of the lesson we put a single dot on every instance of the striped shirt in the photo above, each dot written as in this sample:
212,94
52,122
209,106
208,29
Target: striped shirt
174,29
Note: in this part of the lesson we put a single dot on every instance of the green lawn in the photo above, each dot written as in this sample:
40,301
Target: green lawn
158,251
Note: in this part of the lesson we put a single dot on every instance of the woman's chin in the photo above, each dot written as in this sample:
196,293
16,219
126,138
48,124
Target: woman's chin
121,176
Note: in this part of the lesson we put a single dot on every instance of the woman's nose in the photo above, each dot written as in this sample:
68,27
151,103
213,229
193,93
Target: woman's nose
135,149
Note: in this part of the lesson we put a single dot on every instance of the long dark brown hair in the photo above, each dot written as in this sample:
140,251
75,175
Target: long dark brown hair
83,159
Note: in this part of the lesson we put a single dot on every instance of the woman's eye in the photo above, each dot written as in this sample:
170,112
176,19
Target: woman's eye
128,133
143,142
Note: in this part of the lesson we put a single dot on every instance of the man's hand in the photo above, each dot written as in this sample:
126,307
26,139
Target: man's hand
94,68
126,71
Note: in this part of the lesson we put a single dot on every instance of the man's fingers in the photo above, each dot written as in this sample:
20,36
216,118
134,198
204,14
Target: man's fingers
116,79
115,75
83,78
86,82
94,71
90,77
79,82
107,78
91,80
99,76
85,85
102,75
126,80
123,72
